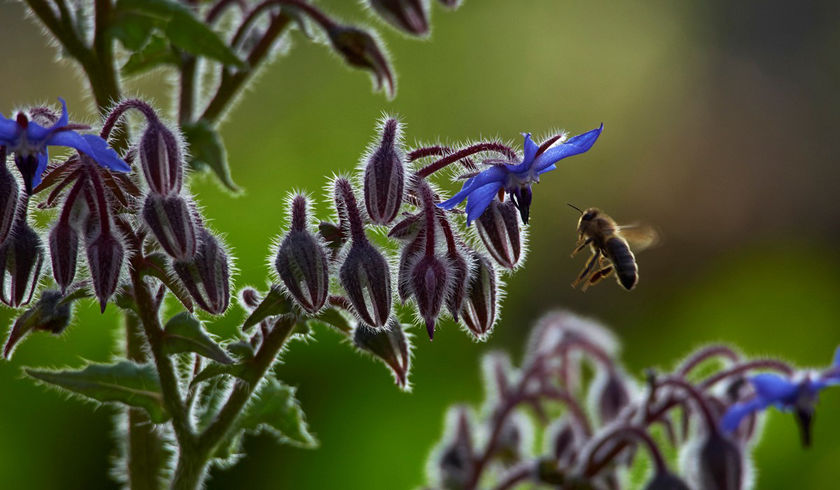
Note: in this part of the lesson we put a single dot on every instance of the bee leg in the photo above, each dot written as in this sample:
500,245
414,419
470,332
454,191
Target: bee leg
598,276
581,246
588,268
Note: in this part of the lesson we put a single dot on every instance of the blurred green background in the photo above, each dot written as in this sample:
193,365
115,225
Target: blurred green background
721,123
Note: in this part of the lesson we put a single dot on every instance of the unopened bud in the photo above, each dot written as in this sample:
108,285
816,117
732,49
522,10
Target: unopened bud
498,228
406,15
21,258
161,159
171,222
385,176
64,253
105,258
302,262
459,271
566,438
717,463
611,397
49,314
456,458
207,275
9,193
664,480
366,278
479,309
509,442
359,49
411,253
387,344
429,279
250,298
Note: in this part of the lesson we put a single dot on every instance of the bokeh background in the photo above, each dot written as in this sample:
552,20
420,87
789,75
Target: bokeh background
721,127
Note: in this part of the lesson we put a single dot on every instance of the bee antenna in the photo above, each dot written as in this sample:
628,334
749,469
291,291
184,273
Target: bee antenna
574,207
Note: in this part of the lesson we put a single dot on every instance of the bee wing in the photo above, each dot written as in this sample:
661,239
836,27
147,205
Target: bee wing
640,236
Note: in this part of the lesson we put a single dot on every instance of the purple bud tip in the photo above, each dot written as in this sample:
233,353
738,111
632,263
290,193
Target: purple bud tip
298,213
105,258
344,195
250,297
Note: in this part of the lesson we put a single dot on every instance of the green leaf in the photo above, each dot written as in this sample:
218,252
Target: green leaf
157,265
183,333
331,317
155,53
239,370
125,382
132,29
207,150
274,303
183,29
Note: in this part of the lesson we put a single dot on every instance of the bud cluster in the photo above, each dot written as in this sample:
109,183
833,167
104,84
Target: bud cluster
587,444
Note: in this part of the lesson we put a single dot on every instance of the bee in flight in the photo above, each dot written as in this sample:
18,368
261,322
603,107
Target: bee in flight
610,248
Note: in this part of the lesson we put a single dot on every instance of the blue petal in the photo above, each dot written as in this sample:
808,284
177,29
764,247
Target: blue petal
547,169
732,418
8,131
64,119
104,155
836,362
479,200
530,149
573,146
70,139
43,160
495,174
773,388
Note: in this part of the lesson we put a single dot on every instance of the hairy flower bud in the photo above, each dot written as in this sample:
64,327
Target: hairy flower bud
664,480
385,176
301,262
498,228
388,344
429,280
479,309
407,15
717,463
367,280
459,271
207,275
359,49
64,253
21,258
611,397
9,193
172,223
105,257
455,461
411,253
161,159
51,314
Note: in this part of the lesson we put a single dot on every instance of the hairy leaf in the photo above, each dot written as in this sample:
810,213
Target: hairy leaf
333,318
52,313
238,370
157,265
183,333
274,303
155,53
207,150
132,384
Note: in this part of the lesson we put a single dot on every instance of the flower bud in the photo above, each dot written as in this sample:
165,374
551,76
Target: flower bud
207,275
21,258
302,262
359,49
171,222
384,176
411,253
406,15
105,257
429,279
161,159
332,234
459,271
51,314
498,228
387,344
407,229
367,280
479,309
717,463
455,461
9,193
665,480
566,438
611,397
64,253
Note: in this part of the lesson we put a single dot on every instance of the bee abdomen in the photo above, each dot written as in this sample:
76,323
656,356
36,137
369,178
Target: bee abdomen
624,261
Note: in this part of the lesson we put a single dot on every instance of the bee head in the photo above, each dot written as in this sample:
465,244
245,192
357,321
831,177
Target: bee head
590,214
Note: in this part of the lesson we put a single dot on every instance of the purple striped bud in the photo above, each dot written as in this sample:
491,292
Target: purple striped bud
64,253
21,258
385,176
302,263
407,15
611,397
105,257
9,193
456,459
429,280
498,228
389,345
716,463
459,270
479,309
161,159
207,275
664,480
172,223
411,253
361,50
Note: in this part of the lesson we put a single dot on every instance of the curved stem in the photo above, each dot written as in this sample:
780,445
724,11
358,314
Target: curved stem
694,393
465,152
704,354
120,109
635,432
747,366
517,474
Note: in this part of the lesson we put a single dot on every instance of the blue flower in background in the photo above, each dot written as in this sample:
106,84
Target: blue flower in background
799,396
516,177
29,140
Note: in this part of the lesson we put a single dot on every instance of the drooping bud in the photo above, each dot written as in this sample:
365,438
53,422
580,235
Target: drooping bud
566,438
411,253
385,176
359,49
498,228
612,397
407,15
207,275
161,159
509,442
430,275
365,274
664,480
301,262
9,194
455,461
389,345
105,257
479,309
64,252
51,313
172,223
459,270
717,463
21,258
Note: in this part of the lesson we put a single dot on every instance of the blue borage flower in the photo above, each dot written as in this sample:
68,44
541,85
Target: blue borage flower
516,178
799,395
29,140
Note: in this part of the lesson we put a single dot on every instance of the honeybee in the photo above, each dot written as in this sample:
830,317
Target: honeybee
610,248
